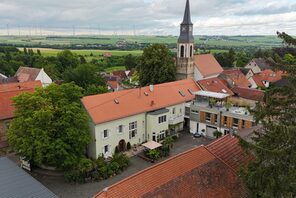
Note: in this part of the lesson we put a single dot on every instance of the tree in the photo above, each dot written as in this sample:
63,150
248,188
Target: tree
130,61
66,59
272,173
287,39
50,126
84,76
156,65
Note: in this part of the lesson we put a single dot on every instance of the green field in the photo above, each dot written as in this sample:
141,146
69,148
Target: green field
134,42
116,68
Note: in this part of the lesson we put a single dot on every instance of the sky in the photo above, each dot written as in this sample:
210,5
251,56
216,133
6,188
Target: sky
148,17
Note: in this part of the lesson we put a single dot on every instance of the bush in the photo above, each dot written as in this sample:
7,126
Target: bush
114,166
217,134
74,176
100,162
175,138
85,166
153,154
121,159
128,146
103,171
116,149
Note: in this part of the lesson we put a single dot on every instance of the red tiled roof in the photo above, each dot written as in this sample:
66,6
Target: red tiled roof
111,106
267,75
207,65
120,74
237,77
8,91
25,74
228,149
214,85
248,93
195,173
113,84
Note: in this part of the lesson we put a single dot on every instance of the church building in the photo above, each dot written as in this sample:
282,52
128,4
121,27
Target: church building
188,65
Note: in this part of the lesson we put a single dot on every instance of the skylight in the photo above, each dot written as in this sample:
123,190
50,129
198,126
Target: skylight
116,101
146,94
182,93
190,91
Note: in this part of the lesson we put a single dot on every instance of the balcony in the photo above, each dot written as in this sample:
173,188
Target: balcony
176,120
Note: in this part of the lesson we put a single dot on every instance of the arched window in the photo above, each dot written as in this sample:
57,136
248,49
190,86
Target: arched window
191,51
182,51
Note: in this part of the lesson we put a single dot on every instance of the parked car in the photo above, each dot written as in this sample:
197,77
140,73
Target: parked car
197,135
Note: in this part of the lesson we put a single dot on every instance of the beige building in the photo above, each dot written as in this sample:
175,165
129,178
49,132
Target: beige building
137,115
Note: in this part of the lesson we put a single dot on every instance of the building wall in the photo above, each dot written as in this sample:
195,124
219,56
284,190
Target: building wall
253,65
115,137
242,101
3,129
253,83
44,78
197,75
146,125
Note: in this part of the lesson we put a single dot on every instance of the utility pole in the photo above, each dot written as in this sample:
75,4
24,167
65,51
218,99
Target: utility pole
7,28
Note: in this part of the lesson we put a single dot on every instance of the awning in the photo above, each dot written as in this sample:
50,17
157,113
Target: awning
152,145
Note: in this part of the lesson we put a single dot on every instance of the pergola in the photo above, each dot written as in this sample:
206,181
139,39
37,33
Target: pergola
152,145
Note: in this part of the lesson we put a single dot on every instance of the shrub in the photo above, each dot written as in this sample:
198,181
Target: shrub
121,159
175,138
217,134
85,166
74,176
116,149
168,141
103,171
128,146
114,166
100,162
153,154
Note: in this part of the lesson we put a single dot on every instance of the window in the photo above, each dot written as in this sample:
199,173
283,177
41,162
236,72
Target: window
225,121
132,129
235,123
106,133
162,119
174,110
243,124
195,111
216,118
208,117
106,149
161,136
120,129
191,51
182,51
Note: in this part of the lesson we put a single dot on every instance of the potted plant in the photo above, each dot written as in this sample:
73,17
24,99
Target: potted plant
217,134
227,106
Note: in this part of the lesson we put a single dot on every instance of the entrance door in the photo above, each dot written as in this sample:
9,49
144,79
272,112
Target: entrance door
122,146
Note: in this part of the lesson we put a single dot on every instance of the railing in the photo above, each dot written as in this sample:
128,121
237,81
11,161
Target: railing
176,120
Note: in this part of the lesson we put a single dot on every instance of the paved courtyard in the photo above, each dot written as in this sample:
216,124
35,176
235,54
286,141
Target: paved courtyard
65,190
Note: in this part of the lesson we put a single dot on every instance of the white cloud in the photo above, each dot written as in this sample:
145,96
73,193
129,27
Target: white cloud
151,16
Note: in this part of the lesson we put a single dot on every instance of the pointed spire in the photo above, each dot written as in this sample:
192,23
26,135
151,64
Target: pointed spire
187,15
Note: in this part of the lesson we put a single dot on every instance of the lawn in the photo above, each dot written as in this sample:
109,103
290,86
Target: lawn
115,68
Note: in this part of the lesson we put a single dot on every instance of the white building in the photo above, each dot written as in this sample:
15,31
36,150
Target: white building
25,74
137,115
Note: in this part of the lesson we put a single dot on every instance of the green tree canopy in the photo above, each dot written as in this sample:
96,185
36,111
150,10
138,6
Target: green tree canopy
273,172
50,126
156,65
66,60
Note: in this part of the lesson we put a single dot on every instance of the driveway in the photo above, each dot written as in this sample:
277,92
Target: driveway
65,190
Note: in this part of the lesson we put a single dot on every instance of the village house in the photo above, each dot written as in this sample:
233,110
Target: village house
246,96
7,92
265,78
235,78
215,85
27,74
257,65
138,115
211,112
205,171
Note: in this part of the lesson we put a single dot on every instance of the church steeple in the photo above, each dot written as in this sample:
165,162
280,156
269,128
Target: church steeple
186,29
187,15
185,59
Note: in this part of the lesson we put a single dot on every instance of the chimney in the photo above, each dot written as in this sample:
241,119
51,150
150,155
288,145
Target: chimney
152,103
151,88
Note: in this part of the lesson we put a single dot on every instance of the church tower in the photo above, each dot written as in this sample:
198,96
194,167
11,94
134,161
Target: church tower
185,59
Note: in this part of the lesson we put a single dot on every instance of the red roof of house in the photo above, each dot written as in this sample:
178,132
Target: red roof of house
195,173
120,74
207,65
267,75
113,84
214,85
228,149
8,91
248,93
112,106
237,77
25,74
